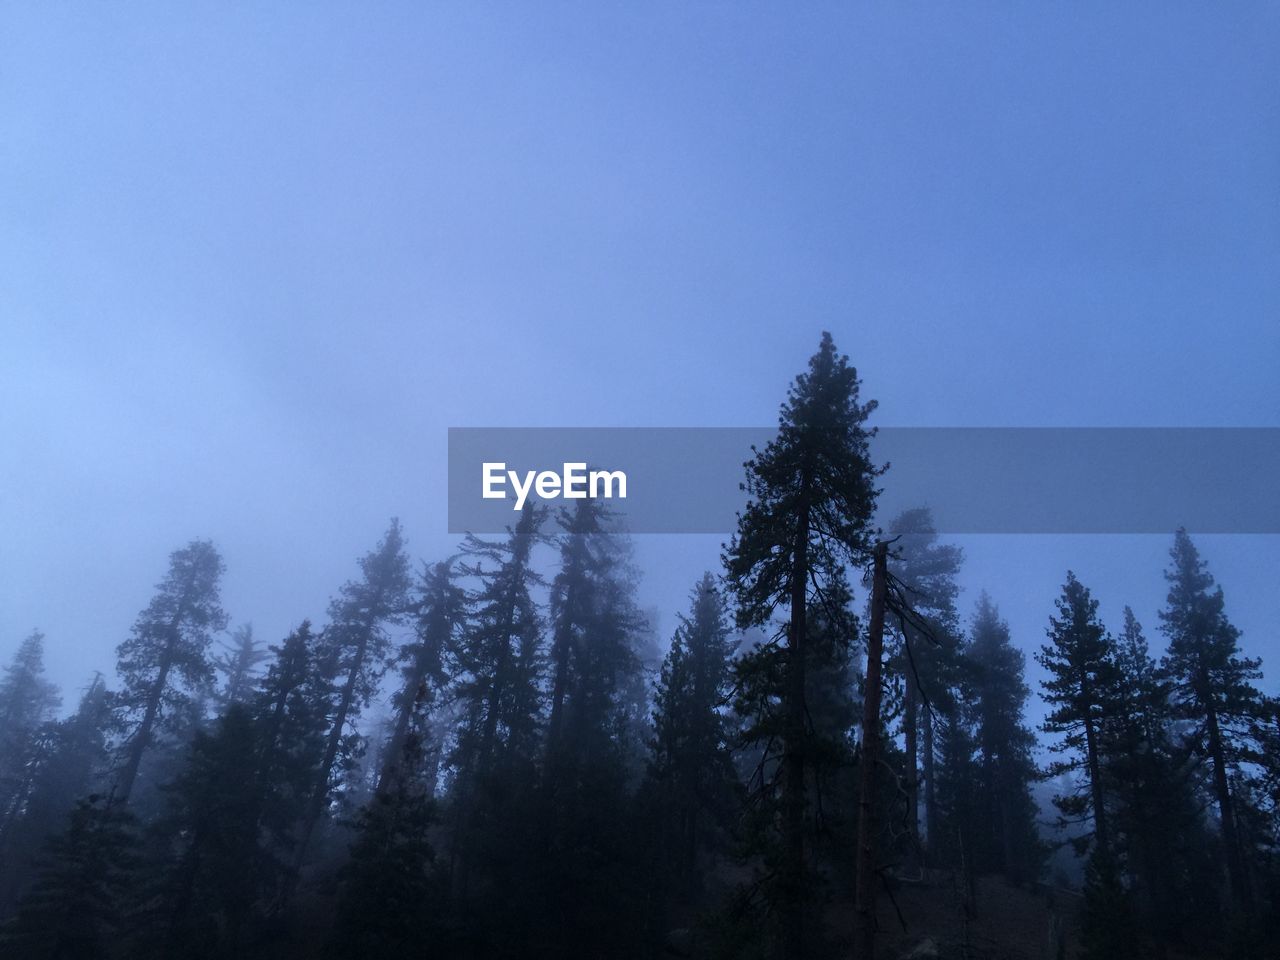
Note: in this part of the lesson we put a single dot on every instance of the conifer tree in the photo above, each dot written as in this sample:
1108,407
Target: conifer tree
1160,840
927,571
292,711
595,624
833,714
391,894
1081,691
1108,930
1006,839
811,495
586,850
439,611
833,677
75,759
77,906
215,870
691,777
27,702
355,649
496,665
1212,688
961,808
497,659
238,663
166,659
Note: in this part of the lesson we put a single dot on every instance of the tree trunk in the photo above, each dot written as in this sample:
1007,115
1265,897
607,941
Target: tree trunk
1095,787
321,792
865,866
793,802
1011,870
493,701
1222,791
481,761
142,738
560,679
911,763
395,743
930,793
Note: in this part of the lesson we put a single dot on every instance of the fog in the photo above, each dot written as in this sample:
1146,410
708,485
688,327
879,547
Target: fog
257,261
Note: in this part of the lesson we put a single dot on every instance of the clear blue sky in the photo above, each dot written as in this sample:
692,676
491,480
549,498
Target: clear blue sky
257,258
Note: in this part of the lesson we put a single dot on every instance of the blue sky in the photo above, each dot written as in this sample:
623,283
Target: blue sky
257,260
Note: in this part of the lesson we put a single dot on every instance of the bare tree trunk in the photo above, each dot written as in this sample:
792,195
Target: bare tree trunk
793,801
865,866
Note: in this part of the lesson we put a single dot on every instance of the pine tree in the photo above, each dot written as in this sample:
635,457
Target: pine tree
496,666
595,624
1212,688
812,492
76,909
1082,693
834,713
166,658
27,702
74,760
1257,802
961,808
691,779
391,893
586,848
292,711
355,648
833,677
1006,838
497,659
927,570
1160,837
1108,931
238,663
439,612
215,870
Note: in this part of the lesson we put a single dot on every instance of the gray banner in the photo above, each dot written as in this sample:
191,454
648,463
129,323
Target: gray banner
975,479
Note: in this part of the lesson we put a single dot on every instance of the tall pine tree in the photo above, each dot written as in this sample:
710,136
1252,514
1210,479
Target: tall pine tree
1006,838
354,654
166,659
496,664
588,851
293,707
1212,688
1081,691
691,778
238,662
927,571
439,612
811,495
27,702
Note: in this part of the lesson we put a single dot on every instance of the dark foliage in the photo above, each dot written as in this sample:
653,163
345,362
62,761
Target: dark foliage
544,783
